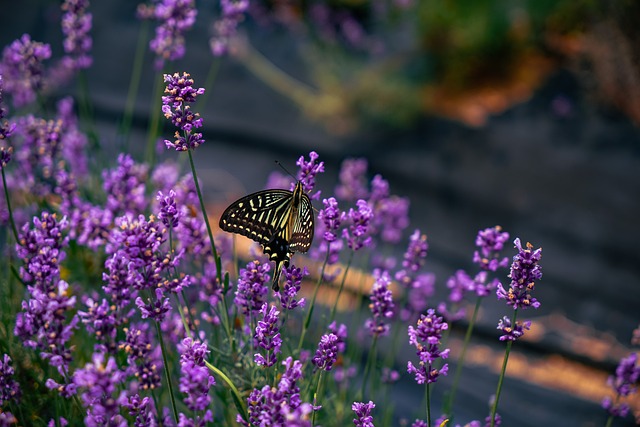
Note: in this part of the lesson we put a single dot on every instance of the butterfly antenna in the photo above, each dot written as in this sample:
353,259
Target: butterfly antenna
285,169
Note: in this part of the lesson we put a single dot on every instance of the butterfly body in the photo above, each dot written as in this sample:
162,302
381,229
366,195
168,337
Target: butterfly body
280,220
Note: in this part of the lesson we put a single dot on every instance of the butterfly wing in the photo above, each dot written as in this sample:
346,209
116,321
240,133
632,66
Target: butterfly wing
302,234
258,216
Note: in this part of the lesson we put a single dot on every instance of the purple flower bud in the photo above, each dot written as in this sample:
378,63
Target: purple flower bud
525,271
76,24
491,241
267,336
195,379
327,352
176,17
381,305
252,287
22,67
511,332
426,338
623,383
332,217
357,234
353,181
308,172
169,213
9,387
155,310
293,278
175,107
225,28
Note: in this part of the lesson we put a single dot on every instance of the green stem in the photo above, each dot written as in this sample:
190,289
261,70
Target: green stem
154,124
307,321
134,82
165,361
225,314
370,361
6,196
448,409
428,404
344,277
494,408
316,393
237,397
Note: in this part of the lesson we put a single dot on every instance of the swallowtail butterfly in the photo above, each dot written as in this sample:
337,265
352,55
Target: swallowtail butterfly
280,220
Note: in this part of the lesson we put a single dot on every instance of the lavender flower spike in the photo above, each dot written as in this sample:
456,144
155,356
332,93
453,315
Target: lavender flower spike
363,414
267,336
358,233
525,271
6,127
180,92
624,383
9,388
195,379
426,338
307,173
381,305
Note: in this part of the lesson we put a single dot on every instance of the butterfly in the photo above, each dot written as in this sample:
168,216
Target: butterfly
280,220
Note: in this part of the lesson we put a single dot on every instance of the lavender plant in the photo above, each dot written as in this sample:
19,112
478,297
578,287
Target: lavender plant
125,308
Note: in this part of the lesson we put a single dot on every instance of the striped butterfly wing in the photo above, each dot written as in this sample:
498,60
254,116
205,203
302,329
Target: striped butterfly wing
258,216
302,233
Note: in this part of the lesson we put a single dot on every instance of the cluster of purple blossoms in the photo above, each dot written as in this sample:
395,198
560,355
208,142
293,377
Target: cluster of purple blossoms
332,217
490,243
180,92
308,172
225,28
511,332
141,410
195,379
420,286
169,213
252,289
267,337
22,67
353,180
381,305
154,308
281,405
176,17
623,383
426,338
458,285
9,387
525,271
6,127
358,234
76,24
143,359
292,280
74,142
99,383
102,321
125,186
327,352
363,414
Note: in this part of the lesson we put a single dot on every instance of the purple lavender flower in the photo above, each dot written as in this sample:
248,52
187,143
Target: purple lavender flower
379,190
623,383
421,423
414,258
7,419
279,405
176,17
73,141
332,217
100,321
225,28
9,387
267,336
61,421
125,186
23,70
121,279
198,421
169,213
512,333
490,241
525,271
100,382
5,156
381,305
180,92
195,379
340,331
6,127
363,414
357,234
426,338
143,359
307,173
292,279
141,409
155,310
391,217
252,287
353,181
389,376
327,352
76,24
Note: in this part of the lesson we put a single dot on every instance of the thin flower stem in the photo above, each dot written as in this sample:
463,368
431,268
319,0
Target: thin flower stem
165,361
237,397
307,321
609,421
370,361
344,276
225,310
428,403
154,124
448,409
316,393
6,197
494,409
134,82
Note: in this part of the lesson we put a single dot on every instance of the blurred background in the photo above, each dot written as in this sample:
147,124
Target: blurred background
480,112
